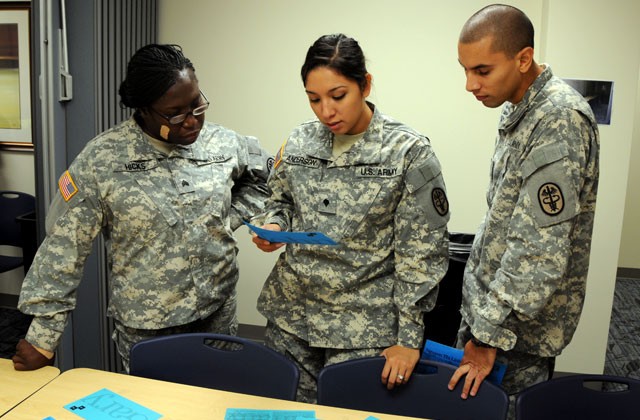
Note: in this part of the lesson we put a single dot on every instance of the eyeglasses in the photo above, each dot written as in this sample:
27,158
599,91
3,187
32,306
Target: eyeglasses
179,119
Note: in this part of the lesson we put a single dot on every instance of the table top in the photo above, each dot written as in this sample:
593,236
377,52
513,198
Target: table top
171,400
18,385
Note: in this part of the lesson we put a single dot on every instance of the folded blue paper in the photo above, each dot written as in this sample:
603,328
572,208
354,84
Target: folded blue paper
314,238
445,354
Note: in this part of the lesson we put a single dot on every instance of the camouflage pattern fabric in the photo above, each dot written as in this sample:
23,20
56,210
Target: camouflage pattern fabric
524,370
525,280
310,360
222,321
167,221
384,201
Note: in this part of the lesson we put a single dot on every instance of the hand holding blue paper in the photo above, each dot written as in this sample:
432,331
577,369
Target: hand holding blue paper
445,354
314,238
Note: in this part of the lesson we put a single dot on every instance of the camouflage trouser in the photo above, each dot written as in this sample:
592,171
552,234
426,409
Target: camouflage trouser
310,360
222,321
523,370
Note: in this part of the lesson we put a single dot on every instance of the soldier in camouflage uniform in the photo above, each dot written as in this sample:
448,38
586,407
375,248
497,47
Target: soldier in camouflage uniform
167,190
375,186
525,280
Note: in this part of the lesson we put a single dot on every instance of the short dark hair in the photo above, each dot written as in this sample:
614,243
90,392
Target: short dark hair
510,27
152,70
337,52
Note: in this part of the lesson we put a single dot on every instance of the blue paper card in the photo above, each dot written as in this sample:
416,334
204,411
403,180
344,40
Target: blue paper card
105,405
252,414
314,238
445,354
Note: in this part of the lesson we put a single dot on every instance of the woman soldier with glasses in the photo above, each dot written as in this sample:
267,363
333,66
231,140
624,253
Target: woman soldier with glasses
167,190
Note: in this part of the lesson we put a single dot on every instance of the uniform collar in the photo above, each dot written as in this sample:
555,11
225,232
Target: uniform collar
512,114
139,148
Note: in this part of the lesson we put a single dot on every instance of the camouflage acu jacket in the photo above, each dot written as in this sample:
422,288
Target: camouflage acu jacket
167,222
525,280
384,202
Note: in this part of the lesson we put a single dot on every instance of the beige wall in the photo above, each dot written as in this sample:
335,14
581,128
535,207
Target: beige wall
630,244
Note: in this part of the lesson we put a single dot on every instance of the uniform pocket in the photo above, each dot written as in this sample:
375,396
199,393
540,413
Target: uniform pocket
140,202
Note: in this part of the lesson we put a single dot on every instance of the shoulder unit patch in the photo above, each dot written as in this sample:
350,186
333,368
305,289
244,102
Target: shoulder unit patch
440,201
551,199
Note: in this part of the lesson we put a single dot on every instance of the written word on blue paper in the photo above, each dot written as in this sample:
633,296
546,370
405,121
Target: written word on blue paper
445,354
253,414
106,405
313,238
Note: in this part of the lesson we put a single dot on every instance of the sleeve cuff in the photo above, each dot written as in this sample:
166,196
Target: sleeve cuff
410,331
46,333
494,335
277,221
235,221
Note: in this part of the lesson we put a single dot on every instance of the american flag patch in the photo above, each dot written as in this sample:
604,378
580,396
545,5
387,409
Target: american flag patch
67,187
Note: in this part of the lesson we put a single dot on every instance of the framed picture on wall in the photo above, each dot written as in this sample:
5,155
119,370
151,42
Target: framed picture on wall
15,76
599,94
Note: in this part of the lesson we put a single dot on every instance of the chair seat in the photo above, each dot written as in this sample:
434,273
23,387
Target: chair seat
14,204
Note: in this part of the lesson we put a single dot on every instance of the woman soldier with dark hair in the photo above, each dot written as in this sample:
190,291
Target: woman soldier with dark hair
375,186
167,190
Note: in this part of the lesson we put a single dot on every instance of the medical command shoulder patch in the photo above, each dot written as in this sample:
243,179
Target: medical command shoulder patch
551,199
440,201
67,187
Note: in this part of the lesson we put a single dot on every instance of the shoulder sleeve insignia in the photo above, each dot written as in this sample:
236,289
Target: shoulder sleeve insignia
440,201
278,157
67,187
551,199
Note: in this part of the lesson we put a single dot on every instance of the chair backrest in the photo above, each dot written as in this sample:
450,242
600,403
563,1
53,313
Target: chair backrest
356,384
13,204
581,397
216,361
